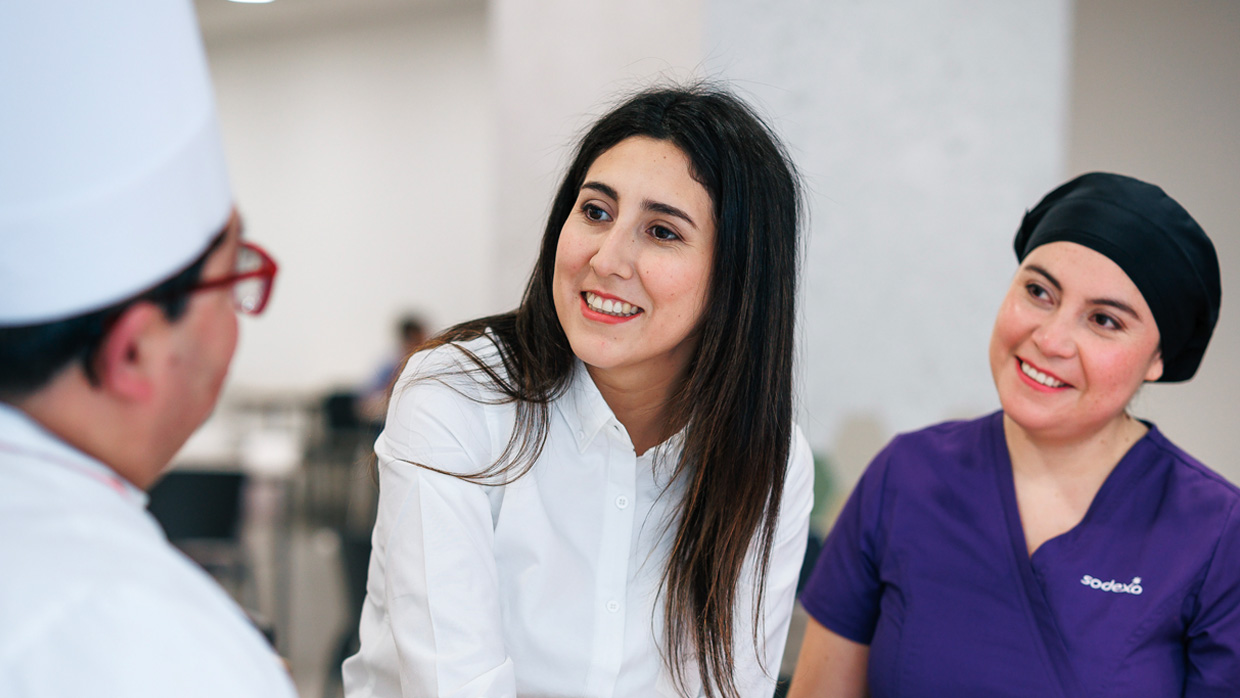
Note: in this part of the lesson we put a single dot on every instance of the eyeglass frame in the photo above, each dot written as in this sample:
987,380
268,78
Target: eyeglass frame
99,323
266,271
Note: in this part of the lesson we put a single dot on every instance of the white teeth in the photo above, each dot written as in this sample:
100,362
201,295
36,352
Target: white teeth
1039,376
611,307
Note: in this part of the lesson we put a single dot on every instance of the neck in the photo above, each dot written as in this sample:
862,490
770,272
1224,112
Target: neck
1091,456
86,419
642,406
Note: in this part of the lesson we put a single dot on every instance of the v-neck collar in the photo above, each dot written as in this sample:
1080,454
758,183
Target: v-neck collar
1121,479
1054,649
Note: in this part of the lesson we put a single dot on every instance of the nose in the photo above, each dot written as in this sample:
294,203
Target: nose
616,253
1054,336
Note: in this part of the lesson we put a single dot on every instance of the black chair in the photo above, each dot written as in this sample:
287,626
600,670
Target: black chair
200,511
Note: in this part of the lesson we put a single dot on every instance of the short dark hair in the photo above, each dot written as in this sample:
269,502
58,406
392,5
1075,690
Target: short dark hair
30,355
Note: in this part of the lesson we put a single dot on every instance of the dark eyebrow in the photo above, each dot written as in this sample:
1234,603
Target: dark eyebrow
1047,274
602,189
667,210
656,206
1109,302
1118,305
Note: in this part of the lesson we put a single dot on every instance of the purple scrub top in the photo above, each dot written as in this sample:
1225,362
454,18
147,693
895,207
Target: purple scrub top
928,565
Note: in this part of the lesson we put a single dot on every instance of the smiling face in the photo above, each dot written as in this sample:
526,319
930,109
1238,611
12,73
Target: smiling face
1073,342
632,266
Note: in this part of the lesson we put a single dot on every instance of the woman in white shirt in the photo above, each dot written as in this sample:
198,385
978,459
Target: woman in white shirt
602,493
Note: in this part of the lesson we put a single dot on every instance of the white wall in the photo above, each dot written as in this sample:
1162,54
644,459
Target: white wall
408,160
1156,94
360,152
924,130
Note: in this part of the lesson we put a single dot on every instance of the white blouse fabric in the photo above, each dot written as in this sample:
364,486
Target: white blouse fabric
550,585
93,599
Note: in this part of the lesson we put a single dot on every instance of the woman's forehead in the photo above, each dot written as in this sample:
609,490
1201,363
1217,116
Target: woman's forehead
1080,269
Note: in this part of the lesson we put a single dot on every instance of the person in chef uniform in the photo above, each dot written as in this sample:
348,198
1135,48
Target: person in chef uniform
121,270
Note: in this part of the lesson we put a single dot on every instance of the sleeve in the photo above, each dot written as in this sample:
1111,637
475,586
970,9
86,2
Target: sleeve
1214,633
756,673
843,591
129,642
435,540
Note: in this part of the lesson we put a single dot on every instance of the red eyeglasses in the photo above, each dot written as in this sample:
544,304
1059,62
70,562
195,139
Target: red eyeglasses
251,280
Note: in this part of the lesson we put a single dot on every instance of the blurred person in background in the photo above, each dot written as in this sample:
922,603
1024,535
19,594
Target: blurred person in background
372,402
121,271
1060,546
603,492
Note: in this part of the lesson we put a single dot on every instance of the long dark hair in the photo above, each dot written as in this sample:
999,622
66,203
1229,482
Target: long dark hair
736,402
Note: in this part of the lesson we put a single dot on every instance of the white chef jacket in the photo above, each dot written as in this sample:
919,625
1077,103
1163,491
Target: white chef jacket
550,585
93,599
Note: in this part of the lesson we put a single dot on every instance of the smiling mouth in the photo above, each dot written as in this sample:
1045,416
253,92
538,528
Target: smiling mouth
610,307
1040,377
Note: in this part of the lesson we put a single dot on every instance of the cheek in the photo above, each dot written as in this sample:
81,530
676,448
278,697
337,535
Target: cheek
226,330
563,274
1011,326
1125,370
571,256
682,289
1004,337
234,331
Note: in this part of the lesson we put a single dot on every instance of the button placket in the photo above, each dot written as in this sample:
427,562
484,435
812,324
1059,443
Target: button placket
616,551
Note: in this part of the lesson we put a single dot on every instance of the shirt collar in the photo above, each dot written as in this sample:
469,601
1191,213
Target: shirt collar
587,413
584,408
23,436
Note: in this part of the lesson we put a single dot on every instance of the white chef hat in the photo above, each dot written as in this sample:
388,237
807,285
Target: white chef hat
112,175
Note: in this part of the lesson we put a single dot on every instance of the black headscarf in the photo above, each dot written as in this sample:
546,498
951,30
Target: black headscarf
1157,244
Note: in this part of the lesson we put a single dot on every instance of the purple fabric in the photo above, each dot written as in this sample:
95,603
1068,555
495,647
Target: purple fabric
927,564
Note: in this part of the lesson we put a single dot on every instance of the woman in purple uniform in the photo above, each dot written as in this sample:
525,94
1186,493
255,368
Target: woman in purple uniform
1059,547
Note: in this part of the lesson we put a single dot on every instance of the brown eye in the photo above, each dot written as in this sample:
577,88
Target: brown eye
1106,321
595,213
663,234
1037,292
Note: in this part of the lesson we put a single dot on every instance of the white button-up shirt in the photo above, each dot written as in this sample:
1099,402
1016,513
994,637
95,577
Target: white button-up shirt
93,599
549,585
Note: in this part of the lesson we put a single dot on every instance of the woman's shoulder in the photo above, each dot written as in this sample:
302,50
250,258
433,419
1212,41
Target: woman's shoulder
445,401
955,439
460,365
800,472
454,383
1191,474
944,452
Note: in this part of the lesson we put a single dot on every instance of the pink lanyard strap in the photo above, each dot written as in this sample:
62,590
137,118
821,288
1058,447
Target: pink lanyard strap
112,481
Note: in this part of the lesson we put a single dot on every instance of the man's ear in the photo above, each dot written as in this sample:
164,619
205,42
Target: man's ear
127,362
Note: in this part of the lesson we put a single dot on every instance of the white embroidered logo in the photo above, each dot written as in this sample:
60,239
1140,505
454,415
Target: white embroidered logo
1113,586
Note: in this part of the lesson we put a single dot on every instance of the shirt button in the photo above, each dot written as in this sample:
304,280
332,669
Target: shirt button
622,502
581,435
613,606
